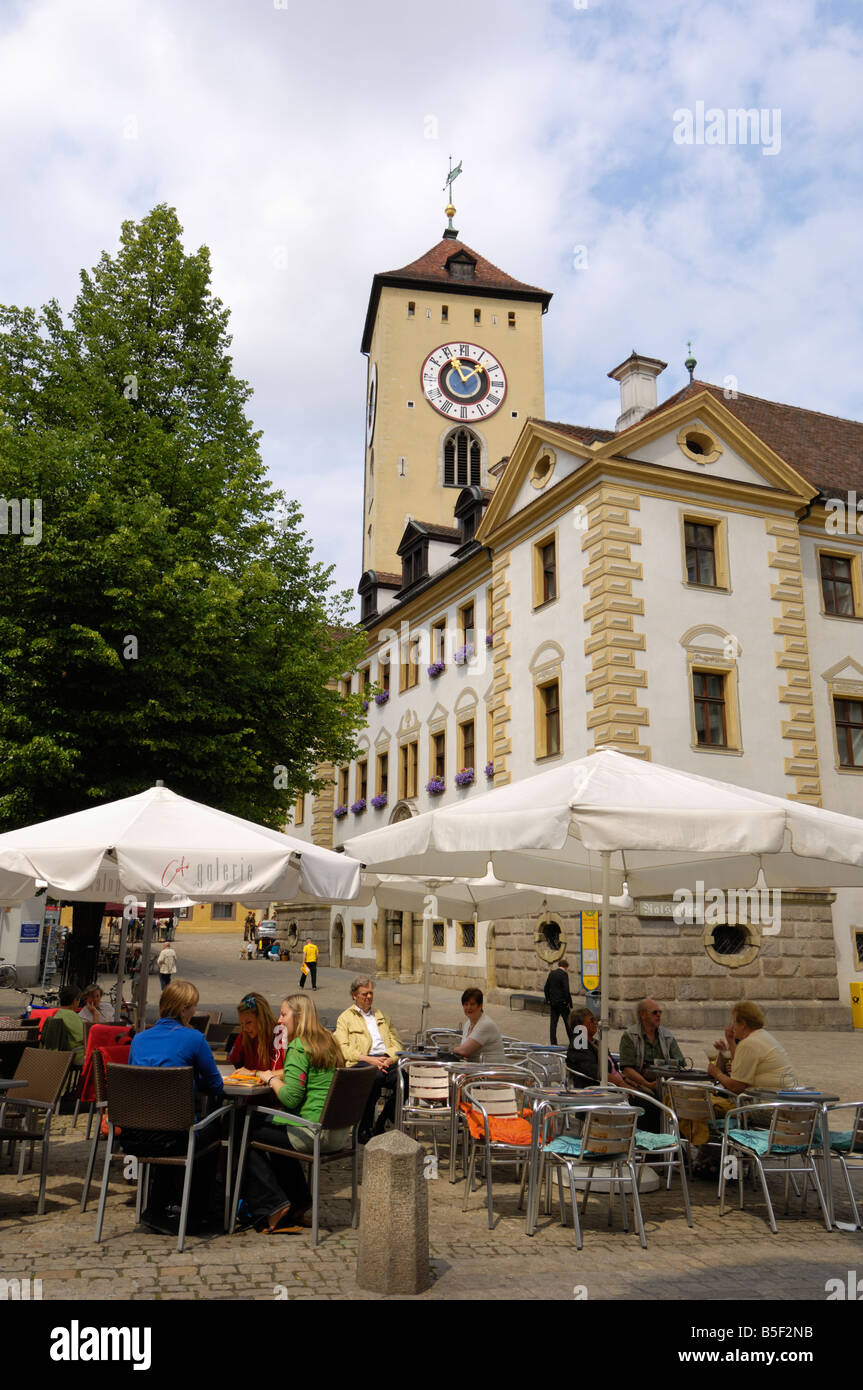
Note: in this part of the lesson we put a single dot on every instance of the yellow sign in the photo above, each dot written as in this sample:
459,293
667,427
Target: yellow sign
590,951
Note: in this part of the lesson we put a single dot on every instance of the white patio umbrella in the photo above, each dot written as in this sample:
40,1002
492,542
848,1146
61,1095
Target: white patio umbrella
484,899
158,844
609,819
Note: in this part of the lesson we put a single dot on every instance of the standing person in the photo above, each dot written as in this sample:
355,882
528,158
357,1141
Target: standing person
172,928
250,926
481,1038
275,1187
367,1038
167,965
310,960
559,999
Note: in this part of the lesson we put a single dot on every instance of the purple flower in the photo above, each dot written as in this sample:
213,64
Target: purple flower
436,668
365,705
464,777
359,806
489,639
464,654
489,769
382,697
379,801
339,812
436,786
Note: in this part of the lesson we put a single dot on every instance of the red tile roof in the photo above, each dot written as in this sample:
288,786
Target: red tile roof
826,449
585,434
431,269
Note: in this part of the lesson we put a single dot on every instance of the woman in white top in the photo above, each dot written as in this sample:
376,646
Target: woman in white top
758,1061
481,1037
95,1009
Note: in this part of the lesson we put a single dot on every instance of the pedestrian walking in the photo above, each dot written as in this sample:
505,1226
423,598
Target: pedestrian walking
310,964
559,999
167,965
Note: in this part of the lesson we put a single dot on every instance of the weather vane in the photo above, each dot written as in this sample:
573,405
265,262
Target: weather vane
449,209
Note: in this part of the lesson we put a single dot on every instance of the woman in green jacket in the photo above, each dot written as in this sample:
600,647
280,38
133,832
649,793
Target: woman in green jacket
275,1188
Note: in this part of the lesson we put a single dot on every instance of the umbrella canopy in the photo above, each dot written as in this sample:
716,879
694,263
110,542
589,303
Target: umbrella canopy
662,828
162,844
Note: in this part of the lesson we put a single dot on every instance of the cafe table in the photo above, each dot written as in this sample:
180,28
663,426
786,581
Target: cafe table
804,1096
239,1095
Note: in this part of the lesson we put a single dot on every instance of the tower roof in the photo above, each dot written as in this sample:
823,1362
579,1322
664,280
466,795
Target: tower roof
453,266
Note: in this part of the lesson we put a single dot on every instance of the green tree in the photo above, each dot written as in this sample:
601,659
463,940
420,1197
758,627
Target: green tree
171,621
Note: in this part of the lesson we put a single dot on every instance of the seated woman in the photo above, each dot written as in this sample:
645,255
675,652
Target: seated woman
95,1009
582,1057
275,1188
172,1043
481,1039
757,1060
257,1046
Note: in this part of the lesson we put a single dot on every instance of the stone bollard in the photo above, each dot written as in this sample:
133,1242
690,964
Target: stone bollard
393,1254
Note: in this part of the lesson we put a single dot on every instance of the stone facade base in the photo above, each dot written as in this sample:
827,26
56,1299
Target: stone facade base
294,925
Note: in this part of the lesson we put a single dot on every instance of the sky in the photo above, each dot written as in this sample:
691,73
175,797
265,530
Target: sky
307,147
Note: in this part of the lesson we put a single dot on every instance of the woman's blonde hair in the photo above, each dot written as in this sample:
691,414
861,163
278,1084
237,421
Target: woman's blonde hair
321,1047
176,997
748,1013
256,1004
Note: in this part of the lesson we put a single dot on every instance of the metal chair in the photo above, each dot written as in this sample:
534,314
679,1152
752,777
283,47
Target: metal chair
45,1073
493,1101
460,1075
692,1103
548,1067
607,1141
423,1099
440,1037
847,1146
344,1109
668,1145
791,1136
160,1099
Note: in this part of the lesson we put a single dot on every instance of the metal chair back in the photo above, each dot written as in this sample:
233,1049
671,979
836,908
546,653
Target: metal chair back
793,1126
497,1098
161,1098
428,1083
549,1068
691,1101
609,1133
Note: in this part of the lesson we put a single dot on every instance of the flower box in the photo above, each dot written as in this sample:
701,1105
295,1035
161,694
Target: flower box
382,697
489,639
436,786
339,812
359,806
489,769
464,654
379,802
464,777
436,669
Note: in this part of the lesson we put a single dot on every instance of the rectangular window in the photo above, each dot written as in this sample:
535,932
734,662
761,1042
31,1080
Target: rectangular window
466,744
701,553
489,734
412,308
410,671
437,755
545,587
359,932
365,681
510,318
708,692
849,731
384,674
467,625
837,584
857,947
548,719
438,936
489,611
444,313
467,936
383,774
408,768
300,812
344,785
223,912
438,640
477,316
362,780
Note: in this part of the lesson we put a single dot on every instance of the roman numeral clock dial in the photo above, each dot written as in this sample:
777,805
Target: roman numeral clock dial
463,381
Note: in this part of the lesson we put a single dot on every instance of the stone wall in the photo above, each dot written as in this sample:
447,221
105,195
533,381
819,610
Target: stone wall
313,922
792,974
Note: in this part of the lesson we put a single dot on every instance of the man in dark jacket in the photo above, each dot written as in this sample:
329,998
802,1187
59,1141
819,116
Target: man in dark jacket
558,998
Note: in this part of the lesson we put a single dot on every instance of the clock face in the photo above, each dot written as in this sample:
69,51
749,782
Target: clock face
371,404
463,381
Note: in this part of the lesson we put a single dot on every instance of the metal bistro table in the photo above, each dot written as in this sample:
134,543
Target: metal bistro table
820,1099
239,1095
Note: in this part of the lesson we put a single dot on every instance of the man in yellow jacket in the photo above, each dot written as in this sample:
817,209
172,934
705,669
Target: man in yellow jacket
310,960
367,1038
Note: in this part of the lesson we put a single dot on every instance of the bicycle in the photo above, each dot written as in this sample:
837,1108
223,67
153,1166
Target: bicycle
39,999
8,974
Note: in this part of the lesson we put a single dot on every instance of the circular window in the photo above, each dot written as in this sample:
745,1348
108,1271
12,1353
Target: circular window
730,941
732,945
698,444
550,939
542,470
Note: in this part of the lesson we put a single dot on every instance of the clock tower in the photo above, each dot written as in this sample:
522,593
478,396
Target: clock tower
454,349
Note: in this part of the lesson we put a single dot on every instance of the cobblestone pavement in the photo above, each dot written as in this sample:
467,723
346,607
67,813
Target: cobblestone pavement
732,1258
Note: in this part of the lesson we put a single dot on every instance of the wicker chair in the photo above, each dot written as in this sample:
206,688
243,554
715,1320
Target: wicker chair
344,1109
100,1057
160,1099
45,1073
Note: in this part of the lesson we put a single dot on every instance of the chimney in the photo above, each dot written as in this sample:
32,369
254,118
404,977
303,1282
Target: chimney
637,377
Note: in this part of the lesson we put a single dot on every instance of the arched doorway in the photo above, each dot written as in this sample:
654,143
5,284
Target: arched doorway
337,950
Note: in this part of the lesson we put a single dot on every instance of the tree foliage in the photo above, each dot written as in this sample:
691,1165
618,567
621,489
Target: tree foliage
171,622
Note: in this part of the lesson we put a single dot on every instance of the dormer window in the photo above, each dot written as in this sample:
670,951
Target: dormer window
414,564
461,267
468,513
462,460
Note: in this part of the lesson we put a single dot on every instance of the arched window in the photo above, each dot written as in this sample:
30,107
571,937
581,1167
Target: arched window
462,460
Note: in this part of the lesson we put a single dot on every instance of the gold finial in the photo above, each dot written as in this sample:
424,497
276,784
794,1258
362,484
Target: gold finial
450,231
449,211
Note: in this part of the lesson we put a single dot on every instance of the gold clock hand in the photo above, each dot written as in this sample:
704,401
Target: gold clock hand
455,362
474,371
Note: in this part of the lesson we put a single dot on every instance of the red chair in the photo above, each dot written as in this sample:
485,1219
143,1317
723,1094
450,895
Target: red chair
103,1036
39,1016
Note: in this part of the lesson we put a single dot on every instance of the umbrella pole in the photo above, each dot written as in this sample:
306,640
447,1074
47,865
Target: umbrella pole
144,974
427,931
121,966
605,855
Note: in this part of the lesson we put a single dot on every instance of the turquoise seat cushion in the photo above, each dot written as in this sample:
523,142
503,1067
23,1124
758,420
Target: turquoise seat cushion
643,1140
567,1146
757,1141
840,1140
